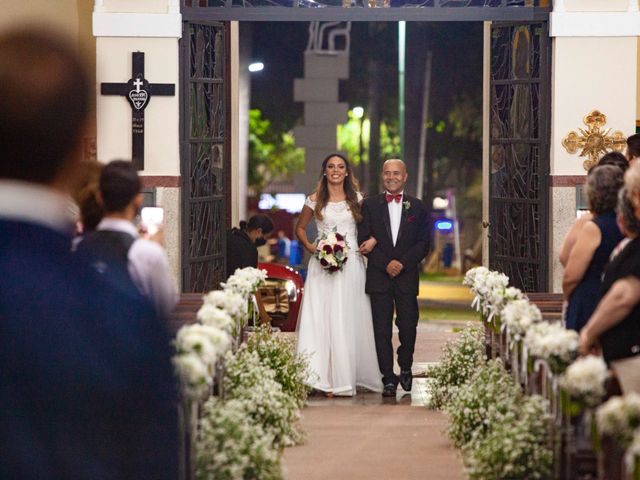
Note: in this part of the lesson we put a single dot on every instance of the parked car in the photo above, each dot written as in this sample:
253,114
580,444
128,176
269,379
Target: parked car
282,295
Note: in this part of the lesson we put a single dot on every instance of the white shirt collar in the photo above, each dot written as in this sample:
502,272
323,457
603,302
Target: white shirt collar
119,225
38,204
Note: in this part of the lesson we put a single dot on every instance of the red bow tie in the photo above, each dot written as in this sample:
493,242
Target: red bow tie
391,198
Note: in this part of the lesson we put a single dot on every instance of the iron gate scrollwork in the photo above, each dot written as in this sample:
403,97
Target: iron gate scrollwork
204,154
519,153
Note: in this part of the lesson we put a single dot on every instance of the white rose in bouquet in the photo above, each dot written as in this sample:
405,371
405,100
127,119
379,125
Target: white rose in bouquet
214,317
584,379
232,303
193,374
619,417
518,315
552,342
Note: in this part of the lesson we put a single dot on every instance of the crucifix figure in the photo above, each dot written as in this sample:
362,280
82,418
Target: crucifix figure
138,92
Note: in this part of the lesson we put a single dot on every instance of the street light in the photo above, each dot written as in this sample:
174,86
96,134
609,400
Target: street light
358,112
256,67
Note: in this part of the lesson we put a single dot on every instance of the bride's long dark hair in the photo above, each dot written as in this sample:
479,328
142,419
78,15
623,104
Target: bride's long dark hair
351,189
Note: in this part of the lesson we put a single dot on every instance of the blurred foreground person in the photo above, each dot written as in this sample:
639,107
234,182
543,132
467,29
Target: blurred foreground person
86,385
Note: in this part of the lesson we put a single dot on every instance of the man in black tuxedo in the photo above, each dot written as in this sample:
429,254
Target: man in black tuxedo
86,385
394,233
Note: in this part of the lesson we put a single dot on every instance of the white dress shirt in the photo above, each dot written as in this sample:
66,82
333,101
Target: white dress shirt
148,267
395,214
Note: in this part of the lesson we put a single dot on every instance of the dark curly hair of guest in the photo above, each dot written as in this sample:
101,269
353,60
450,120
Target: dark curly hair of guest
351,189
603,184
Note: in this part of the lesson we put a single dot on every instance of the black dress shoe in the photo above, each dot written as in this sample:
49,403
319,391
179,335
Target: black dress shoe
389,390
406,380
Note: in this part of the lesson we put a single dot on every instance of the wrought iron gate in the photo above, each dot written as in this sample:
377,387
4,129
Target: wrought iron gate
204,151
519,153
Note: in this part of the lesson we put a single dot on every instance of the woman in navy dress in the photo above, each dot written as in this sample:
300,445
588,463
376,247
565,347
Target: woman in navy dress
594,244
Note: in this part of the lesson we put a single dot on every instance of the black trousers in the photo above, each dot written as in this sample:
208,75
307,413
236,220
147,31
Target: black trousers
406,309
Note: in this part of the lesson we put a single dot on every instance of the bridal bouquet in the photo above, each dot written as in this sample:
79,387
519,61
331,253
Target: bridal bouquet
332,251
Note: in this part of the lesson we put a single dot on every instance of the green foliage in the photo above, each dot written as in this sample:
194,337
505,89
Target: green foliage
514,448
484,401
279,353
232,446
461,358
247,378
349,139
272,154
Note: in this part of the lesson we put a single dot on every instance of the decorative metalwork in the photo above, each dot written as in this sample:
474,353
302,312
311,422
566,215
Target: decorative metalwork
594,141
203,155
519,161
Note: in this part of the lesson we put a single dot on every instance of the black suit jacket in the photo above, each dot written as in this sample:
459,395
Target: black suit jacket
411,247
86,385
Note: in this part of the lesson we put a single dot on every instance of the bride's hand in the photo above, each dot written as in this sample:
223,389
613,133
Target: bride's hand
367,245
311,248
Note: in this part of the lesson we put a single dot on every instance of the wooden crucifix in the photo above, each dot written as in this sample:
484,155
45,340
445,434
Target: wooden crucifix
138,92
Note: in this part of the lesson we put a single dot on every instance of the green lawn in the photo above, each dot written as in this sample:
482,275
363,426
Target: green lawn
448,314
441,277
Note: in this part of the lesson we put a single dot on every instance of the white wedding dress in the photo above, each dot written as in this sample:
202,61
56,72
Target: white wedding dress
335,328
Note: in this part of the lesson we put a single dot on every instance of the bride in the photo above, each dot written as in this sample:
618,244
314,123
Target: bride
335,327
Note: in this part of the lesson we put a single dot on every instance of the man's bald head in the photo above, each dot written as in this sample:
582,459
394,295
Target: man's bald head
44,95
394,175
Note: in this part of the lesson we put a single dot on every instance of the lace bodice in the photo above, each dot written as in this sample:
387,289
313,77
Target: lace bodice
338,215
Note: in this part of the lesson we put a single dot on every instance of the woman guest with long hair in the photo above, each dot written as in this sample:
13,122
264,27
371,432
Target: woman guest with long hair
335,327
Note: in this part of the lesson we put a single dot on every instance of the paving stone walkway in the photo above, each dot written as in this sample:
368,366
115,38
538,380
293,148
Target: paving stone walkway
368,437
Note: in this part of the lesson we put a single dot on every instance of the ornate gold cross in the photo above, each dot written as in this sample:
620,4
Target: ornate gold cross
594,141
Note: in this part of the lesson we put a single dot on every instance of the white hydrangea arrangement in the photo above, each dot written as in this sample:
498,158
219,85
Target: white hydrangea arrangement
584,380
231,446
214,317
518,315
234,304
553,343
619,417
460,359
489,288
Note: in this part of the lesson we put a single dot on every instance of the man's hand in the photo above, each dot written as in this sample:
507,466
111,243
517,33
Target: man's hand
394,268
367,245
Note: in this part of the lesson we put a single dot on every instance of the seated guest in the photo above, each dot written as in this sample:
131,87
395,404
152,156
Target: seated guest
115,243
633,148
628,224
591,251
242,250
611,158
615,324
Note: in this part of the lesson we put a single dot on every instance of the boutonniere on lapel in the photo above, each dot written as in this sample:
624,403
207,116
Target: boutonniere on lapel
406,205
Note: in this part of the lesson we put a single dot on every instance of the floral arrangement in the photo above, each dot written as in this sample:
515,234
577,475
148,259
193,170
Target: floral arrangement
481,403
619,417
460,359
584,380
553,343
234,304
198,349
279,353
231,446
515,447
518,315
246,377
332,251
491,291
245,281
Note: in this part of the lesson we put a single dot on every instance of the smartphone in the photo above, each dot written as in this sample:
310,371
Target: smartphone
152,218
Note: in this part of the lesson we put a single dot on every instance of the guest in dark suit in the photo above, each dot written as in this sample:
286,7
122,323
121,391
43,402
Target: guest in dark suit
394,234
86,385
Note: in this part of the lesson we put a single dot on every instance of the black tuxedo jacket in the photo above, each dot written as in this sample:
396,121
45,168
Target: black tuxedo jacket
411,246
